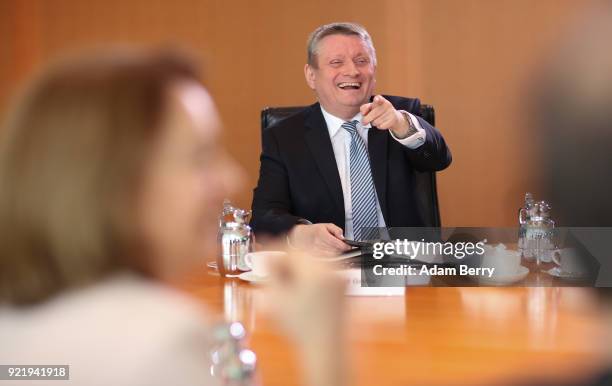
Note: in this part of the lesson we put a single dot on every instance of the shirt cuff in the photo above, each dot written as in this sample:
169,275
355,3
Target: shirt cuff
415,140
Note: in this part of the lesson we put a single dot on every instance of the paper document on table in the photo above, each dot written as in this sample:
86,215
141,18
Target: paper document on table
354,288
354,284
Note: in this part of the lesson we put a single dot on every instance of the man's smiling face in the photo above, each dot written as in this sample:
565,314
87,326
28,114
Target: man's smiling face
344,79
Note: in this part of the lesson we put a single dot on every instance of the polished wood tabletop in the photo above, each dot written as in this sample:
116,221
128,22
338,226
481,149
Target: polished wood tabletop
433,335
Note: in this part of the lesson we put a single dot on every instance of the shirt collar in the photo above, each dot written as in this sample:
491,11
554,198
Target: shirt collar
334,123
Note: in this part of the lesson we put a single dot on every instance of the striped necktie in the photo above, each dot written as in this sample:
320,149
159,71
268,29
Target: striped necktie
363,192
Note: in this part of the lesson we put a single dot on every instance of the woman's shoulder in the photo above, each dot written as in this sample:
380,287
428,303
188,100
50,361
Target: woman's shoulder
130,325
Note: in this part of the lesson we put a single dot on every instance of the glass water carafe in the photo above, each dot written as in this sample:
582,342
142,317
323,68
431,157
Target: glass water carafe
539,235
234,238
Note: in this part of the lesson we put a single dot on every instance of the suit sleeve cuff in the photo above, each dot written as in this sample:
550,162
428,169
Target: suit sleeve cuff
415,140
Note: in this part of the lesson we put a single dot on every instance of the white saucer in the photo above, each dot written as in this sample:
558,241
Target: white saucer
505,279
557,272
252,278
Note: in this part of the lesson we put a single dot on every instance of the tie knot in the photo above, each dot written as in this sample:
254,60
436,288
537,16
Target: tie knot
350,126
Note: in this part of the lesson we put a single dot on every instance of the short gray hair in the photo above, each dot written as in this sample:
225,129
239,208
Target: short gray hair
337,29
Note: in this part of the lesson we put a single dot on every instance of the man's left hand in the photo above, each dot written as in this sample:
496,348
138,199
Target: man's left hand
384,116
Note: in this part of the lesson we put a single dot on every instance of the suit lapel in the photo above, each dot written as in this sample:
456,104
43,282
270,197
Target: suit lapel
319,143
377,148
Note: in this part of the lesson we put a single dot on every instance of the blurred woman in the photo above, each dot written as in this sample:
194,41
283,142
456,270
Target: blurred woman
110,180
110,173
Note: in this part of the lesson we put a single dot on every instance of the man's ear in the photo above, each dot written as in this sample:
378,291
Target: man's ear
309,74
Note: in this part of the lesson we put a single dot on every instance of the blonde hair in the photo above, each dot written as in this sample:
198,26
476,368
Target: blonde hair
71,156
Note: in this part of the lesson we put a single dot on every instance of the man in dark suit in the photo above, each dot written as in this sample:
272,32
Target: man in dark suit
345,164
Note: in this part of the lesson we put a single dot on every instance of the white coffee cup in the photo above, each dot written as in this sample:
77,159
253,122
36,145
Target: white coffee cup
505,261
568,261
258,262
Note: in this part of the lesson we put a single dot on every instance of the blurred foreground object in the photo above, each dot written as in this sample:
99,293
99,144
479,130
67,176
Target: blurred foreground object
307,299
575,112
110,170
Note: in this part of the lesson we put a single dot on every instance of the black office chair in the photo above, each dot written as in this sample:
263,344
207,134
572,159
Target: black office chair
427,193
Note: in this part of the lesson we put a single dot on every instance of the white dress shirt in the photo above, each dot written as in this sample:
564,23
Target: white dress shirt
341,143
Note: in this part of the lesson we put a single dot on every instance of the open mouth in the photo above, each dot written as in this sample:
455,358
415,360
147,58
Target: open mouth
349,85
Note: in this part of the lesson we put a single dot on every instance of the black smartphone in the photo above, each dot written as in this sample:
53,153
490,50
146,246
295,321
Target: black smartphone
358,244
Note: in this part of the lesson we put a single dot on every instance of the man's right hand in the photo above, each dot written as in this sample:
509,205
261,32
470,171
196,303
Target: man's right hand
319,239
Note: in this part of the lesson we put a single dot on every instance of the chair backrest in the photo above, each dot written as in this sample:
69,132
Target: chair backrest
426,189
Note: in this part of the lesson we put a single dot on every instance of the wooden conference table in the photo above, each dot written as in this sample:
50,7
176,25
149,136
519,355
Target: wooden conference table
434,335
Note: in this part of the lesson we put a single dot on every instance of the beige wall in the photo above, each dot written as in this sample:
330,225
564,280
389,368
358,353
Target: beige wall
471,59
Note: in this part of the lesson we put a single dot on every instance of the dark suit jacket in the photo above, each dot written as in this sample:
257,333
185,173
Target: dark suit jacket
298,176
